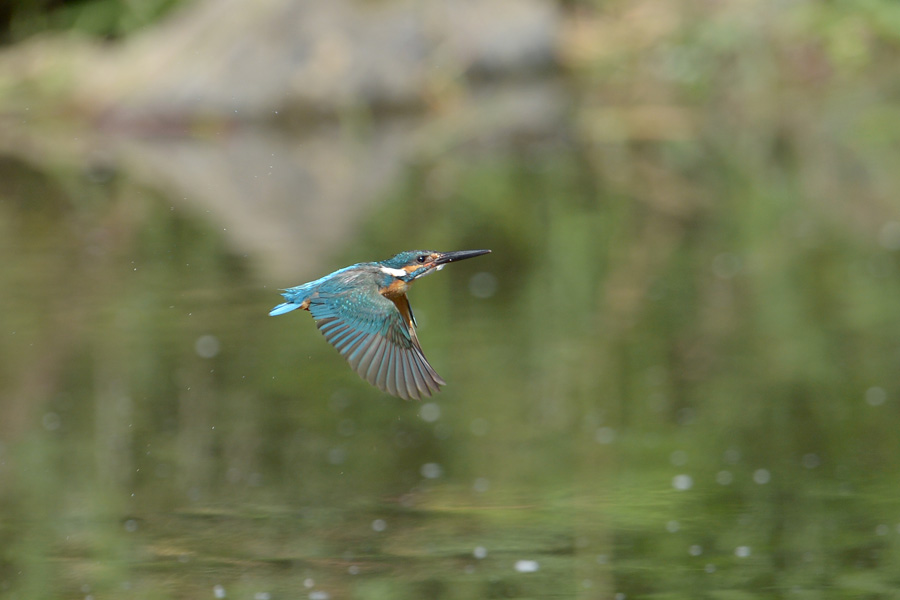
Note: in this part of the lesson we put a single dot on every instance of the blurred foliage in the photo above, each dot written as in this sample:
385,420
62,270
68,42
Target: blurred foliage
105,19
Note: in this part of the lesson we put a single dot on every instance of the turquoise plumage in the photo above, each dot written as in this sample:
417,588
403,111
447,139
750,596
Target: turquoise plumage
363,311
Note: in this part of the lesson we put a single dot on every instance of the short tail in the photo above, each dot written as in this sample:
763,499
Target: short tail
283,308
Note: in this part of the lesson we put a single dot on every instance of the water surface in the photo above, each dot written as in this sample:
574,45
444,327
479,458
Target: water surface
647,397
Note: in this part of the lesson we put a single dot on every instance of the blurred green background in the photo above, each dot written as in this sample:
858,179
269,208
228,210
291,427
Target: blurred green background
676,376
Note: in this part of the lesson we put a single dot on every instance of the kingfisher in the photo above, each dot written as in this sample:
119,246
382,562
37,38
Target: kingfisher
363,311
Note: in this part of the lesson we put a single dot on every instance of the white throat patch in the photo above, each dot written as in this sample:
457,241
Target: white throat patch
394,272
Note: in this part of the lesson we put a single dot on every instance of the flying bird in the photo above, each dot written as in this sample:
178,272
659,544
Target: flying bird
363,311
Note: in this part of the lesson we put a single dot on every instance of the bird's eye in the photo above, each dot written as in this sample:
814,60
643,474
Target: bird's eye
421,258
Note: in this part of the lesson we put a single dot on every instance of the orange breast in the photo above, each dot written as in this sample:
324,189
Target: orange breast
397,288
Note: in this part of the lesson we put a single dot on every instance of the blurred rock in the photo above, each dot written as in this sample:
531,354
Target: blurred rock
251,59
284,121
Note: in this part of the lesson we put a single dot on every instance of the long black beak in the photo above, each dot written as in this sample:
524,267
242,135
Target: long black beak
449,257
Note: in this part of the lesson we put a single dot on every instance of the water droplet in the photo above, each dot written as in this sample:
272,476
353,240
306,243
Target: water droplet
742,551
207,346
479,552
131,525
682,482
882,530
678,458
527,566
672,526
337,456
379,525
431,470
481,485
695,550
430,412
218,591
875,396
761,476
724,477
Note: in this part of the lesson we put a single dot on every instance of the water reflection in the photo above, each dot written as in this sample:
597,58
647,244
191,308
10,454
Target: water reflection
634,408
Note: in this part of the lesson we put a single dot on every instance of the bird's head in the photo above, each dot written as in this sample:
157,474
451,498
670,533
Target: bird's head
413,264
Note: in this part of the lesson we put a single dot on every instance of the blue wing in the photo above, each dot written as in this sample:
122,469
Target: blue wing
376,335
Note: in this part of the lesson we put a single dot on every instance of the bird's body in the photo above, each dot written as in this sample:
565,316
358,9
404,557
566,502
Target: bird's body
363,311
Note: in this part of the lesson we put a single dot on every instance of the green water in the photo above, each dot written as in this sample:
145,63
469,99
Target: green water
642,402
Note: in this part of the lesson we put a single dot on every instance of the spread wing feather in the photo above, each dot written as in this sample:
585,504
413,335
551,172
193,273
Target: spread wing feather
377,337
